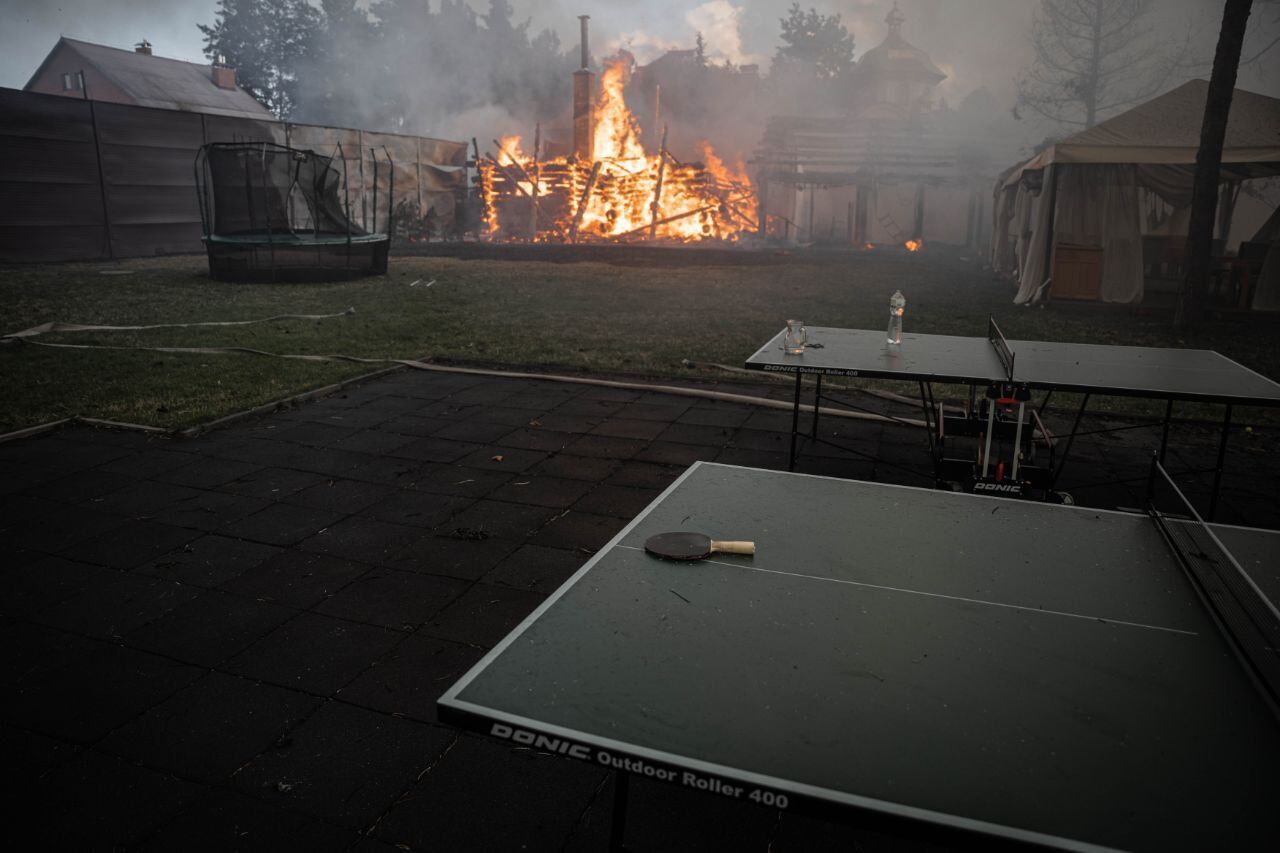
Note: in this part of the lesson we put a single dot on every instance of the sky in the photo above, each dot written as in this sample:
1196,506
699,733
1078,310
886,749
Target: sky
977,42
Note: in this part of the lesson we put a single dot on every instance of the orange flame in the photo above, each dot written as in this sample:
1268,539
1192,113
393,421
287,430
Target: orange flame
913,245
634,193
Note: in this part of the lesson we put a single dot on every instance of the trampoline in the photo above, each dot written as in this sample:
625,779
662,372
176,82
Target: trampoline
274,213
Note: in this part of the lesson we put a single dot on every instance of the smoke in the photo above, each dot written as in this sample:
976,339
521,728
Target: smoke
720,23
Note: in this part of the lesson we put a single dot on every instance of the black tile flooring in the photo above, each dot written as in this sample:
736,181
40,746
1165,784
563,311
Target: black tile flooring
236,641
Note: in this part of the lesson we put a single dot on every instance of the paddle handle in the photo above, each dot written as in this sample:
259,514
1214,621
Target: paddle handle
729,547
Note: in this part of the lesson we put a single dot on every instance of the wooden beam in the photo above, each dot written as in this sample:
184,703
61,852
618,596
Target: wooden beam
657,189
582,205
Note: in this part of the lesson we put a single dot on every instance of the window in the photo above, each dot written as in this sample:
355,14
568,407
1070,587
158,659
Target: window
71,82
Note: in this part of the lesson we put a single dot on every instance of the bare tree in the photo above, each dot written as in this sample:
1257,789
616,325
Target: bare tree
1093,57
1213,131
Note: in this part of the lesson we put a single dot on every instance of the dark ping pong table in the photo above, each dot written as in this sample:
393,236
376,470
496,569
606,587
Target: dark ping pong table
1010,369
965,668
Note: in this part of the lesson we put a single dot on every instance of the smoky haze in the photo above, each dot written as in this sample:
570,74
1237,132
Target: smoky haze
453,88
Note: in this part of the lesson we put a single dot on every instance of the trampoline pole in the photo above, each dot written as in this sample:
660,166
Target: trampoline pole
266,209
391,195
346,194
373,153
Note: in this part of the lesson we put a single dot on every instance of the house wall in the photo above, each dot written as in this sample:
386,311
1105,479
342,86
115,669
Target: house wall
65,60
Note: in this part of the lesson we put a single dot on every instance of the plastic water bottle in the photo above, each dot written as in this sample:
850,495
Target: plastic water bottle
897,305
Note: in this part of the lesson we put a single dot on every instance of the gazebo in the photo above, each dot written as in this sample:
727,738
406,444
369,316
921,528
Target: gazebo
1068,222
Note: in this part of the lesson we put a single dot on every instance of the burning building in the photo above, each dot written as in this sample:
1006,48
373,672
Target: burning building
612,187
890,170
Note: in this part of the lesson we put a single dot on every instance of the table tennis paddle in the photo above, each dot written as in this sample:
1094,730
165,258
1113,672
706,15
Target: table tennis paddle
693,546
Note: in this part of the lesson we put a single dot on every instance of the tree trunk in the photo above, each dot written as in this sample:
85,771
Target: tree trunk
1213,130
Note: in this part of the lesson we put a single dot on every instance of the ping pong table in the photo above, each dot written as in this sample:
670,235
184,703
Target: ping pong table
927,662
1010,369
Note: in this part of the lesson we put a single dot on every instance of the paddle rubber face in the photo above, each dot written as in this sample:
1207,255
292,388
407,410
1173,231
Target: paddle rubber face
679,546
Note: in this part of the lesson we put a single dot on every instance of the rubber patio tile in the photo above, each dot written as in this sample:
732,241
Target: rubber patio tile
660,407
682,455
310,433
113,603
79,689
410,678
631,428
50,526
452,556
486,518
32,587
507,415
606,447
579,531
590,468
537,438
392,598
344,764
210,628
101,802
483,615
645,475
554,492
536,568
207,472
414,425
709,436
208,561
296,578
130,543
483,795
282,524
29,755
210,510
273,483
415,508
211,727
362,539
317,654
454,480
618,501
511,460
474,429
719,415
434,449
340,496
228,820
81,487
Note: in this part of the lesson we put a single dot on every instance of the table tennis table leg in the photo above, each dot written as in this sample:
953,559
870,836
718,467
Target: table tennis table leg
817,403
930,411
1222,458
795,423
1066,451
618,822
1164,428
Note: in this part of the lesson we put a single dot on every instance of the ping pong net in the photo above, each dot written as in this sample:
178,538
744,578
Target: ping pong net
1001,345
1246,616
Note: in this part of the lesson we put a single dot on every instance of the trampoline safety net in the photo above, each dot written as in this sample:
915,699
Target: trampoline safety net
274,213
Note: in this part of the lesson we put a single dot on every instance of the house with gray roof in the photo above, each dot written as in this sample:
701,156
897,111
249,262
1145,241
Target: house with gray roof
81,69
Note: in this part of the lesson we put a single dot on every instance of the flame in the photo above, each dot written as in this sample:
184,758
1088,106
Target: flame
869,246
634,194
913,245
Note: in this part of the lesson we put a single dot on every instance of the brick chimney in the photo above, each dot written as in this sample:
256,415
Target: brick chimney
584,125
143,47
223,77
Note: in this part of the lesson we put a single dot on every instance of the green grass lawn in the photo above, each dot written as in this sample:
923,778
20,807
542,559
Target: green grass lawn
576,317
